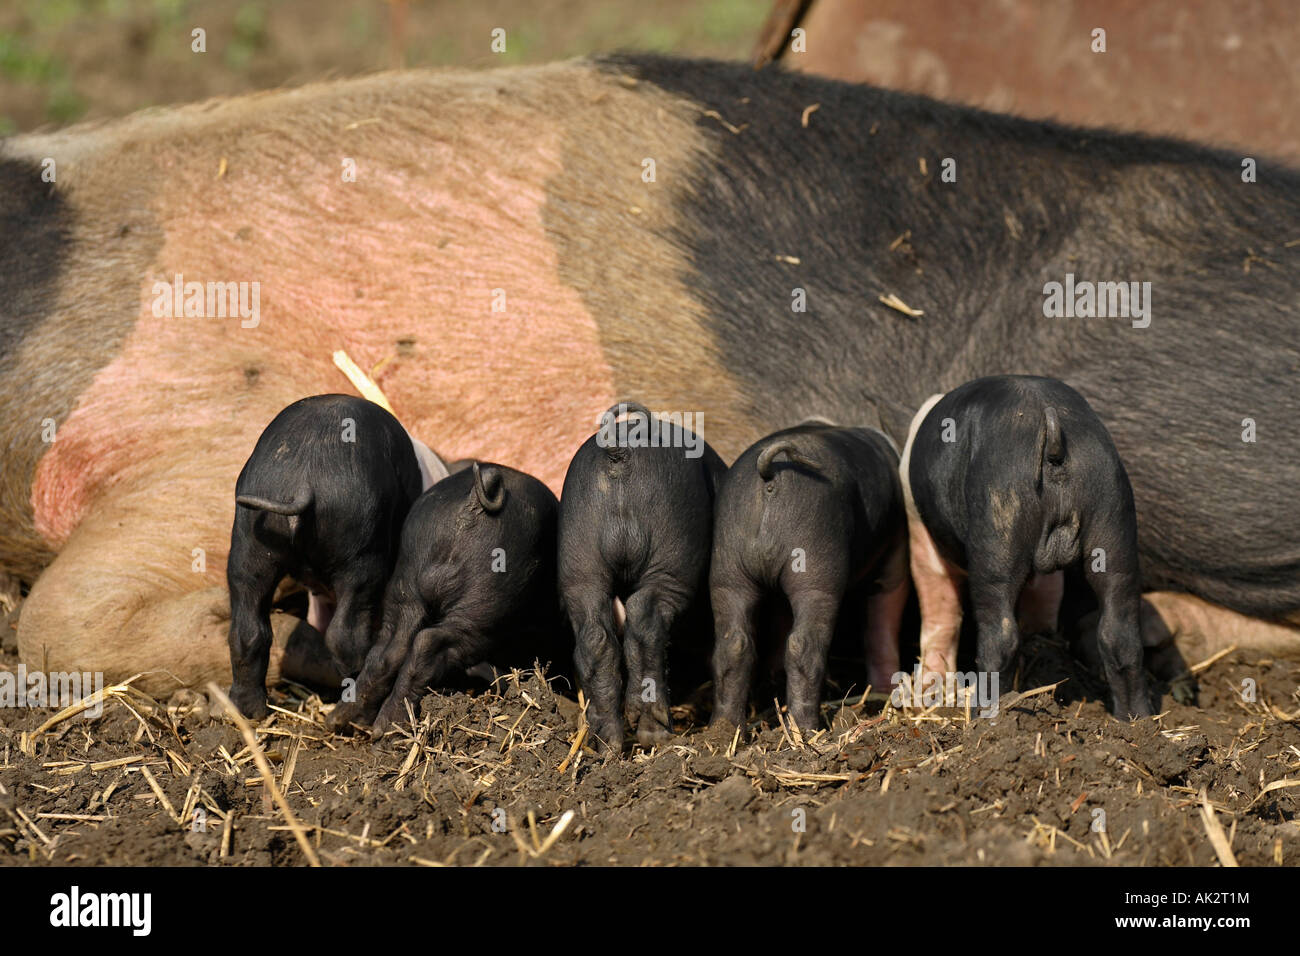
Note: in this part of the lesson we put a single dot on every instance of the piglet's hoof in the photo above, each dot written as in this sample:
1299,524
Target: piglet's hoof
607,739
251,703
720,733
344,719
391,715
650,732
1184,689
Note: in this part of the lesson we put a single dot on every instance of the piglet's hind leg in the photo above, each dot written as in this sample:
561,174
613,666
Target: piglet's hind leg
596,659
1119,630
734,650
352,627
815,613
652,613
996,580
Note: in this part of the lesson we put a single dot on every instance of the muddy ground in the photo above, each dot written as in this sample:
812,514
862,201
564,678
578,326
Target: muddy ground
486,777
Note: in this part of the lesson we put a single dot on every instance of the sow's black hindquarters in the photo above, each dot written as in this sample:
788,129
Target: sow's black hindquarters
473,590
322,498
812,517
1032,484
1033,201
636,524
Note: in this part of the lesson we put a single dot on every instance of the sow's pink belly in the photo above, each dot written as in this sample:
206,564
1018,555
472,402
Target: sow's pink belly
405,264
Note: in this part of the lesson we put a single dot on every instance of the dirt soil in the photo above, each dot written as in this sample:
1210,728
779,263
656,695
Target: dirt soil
494,779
